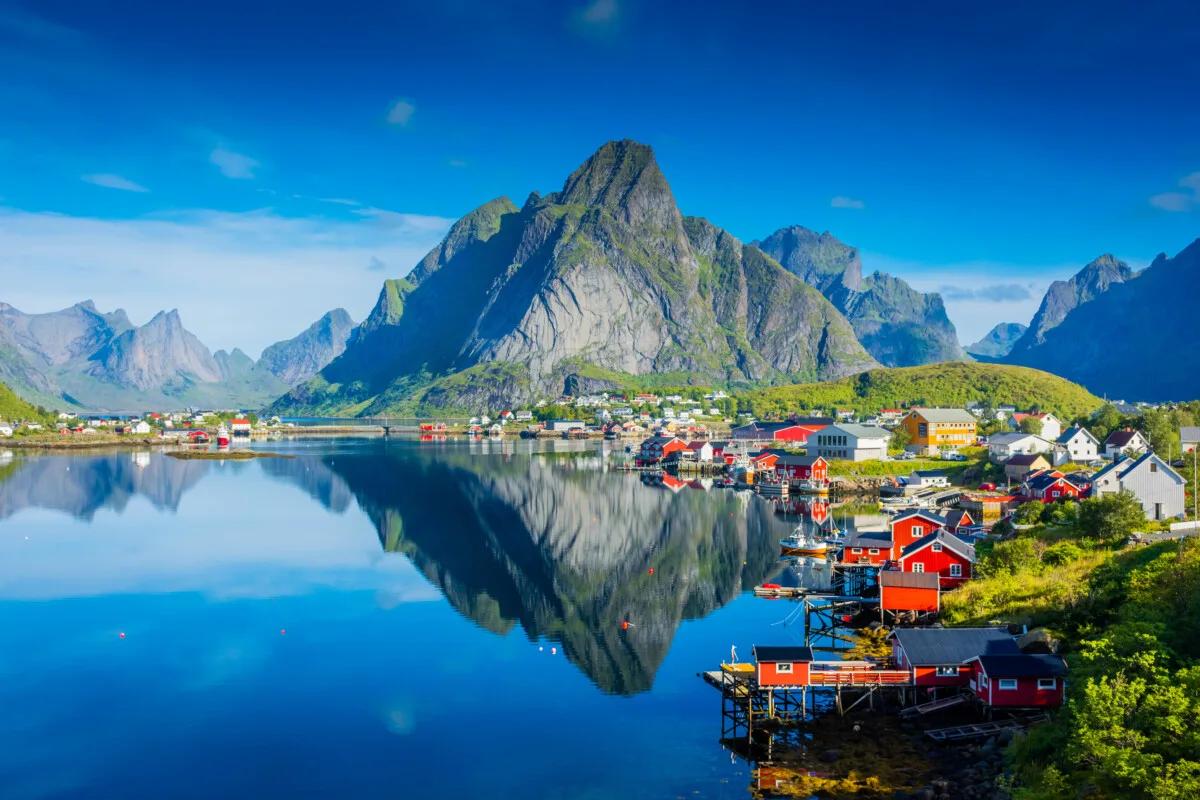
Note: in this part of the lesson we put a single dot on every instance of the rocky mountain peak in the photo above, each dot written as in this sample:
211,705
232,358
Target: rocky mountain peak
623,178
820,259
1063,297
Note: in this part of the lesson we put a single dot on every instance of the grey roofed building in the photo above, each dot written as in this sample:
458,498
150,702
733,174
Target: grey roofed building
909,580
1189,437
1074,430
864,431
947,646
1023,665
880,539
777,653
945,414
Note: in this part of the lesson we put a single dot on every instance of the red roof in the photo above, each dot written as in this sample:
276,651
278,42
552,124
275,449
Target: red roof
239,421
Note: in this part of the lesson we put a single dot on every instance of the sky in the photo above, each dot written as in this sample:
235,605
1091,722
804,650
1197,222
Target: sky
256,164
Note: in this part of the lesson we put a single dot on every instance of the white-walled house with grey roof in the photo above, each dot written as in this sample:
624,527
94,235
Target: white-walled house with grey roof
850,442
1158,488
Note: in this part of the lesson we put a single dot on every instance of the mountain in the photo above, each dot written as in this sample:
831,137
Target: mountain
1065,296
998,341
81,358
898,325
955,384
1130,335
297,359
14,409
602,280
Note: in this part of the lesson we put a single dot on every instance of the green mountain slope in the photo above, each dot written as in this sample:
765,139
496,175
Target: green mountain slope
13,408
951,384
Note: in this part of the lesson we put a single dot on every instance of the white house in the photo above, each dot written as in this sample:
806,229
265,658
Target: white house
1189,439
928,479
5,429
1004,446
1150,479
1126,441
1051,426
850,442
141,427
1076,444
562,425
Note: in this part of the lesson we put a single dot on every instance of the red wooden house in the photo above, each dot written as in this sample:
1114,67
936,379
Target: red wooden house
794,430
937,657
656,448
942,553
1019,680
803,468
782,666
1049,486
872,548
911,526
958,518
905,592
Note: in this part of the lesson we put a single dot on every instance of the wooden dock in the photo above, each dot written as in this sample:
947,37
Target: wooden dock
960,733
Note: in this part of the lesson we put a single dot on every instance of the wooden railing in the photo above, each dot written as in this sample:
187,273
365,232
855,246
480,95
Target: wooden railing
858,677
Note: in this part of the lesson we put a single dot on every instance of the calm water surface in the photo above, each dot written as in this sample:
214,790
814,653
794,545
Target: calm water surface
372,619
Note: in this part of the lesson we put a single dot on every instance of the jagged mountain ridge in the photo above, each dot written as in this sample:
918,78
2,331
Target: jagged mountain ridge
999,341
297,359
898,325
1063,297
602,279
81,358
1116,342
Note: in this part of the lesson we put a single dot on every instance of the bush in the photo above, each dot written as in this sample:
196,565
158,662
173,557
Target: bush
1111,517
1062,553
1028,513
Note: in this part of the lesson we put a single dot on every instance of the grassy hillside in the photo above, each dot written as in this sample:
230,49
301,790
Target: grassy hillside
953,384
13,408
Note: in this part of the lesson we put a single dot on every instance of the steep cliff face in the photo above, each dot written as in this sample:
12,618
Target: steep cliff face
297,359
898,325
1132,337
1063,297
999,341
158,354
601,276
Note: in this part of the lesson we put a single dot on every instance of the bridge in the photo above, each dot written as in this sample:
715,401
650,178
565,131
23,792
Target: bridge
389,424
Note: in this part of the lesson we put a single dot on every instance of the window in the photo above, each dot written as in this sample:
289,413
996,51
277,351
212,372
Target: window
947,672
918,531
956,570
1153,467
918,567
856,550
983,681
783,667
937,547
1008,684
1047,683
1055,493
874,551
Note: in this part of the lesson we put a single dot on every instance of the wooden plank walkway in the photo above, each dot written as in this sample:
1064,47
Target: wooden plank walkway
958,733
935,705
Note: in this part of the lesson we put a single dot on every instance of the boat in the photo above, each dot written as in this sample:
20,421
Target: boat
222,436
801,543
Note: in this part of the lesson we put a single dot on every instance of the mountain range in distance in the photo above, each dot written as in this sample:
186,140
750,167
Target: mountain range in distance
604,285
84,359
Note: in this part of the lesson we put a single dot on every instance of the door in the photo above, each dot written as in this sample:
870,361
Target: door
1158,511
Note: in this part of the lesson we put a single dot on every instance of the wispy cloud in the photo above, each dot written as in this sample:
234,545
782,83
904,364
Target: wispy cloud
841,201
233,165
457,163
306,265
596,18
995,293
1179,202
401,112
110,181
377,265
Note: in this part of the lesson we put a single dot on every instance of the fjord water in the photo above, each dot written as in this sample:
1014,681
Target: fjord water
372,618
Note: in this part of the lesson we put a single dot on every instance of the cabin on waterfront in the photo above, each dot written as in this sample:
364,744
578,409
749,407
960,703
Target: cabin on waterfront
867,548
940,553
656,448
782,666
802,468
1018,680
909,593
703,450
796,430
937,657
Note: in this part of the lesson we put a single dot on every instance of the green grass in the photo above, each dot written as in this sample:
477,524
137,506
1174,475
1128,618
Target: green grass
13,408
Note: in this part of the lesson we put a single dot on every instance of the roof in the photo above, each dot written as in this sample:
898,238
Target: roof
861,431
1043,481
946,538
944,414
661,440
931,473
782,653
1189,433
880,539
799,461
1075,430
1010,438
910,580
1121,438
1149,455
1022,665
772,427
945,646
1025,460
919,512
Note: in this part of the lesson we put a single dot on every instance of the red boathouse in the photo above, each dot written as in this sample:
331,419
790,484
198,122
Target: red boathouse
941,553
909,592
1022,680
782,666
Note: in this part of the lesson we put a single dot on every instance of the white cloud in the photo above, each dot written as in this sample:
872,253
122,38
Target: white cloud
457,163
599,12
400,112
239,279
233,165
841,201
111,181
1178,202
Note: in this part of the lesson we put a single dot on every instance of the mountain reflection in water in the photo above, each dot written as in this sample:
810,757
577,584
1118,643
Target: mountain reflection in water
554,542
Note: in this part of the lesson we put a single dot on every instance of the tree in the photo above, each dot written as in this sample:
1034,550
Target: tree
1112,516
1029,513
1106,420
1031,425
870,644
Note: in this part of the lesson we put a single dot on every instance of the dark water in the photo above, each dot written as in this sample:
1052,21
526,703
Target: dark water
372,619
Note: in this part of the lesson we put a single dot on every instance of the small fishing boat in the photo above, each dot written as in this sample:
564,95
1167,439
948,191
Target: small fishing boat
222,436
802,543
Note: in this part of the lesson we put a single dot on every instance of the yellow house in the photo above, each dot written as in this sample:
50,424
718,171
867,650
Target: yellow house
933,429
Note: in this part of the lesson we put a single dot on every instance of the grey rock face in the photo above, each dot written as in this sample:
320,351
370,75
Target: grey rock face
1065,296
999,340
297,359
898,325
160,353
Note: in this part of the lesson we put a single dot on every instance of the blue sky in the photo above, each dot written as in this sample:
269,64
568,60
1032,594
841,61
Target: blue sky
169,155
